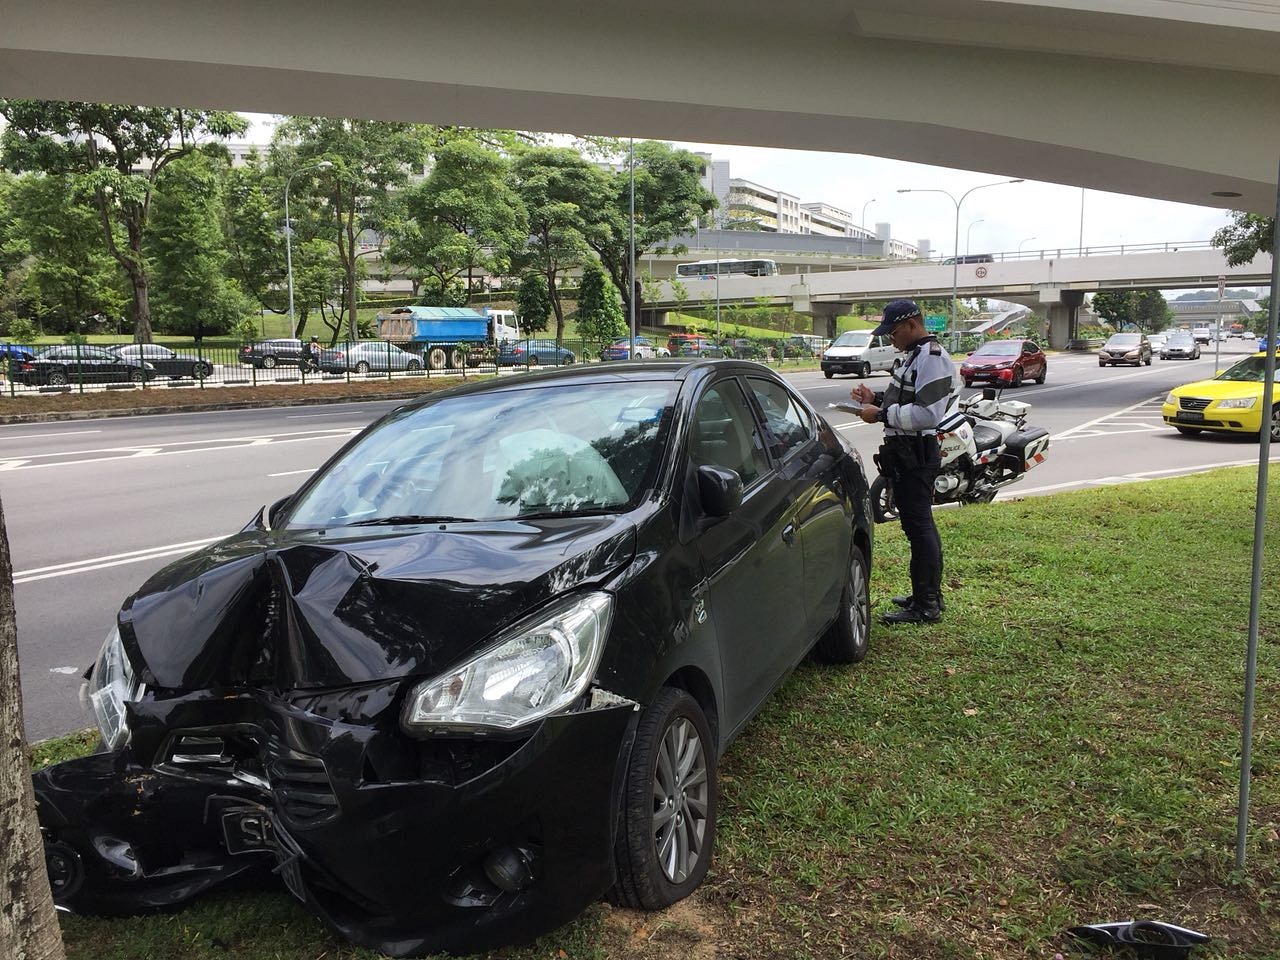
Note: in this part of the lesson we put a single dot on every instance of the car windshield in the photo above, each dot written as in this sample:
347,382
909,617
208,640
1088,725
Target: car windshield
852,338
557,451
1124,340
999,348
1178,339
1248,370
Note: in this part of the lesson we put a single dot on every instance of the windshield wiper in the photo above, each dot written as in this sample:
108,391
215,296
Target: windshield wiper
565,514
408,518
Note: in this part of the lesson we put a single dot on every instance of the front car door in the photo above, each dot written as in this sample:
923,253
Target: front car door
883,353
751,559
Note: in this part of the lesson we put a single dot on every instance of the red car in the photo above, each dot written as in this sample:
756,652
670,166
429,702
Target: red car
1005,363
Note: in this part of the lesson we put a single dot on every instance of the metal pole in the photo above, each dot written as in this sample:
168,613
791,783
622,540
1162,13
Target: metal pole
955,273
631,251
1217,333
1080,253
1259,531
968,234
288,252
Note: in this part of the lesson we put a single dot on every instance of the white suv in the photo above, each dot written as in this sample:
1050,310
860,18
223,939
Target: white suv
859,353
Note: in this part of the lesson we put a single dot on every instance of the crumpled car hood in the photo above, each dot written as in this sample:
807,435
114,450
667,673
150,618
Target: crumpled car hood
294,609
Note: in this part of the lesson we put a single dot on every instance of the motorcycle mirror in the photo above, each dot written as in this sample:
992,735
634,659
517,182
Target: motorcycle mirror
988,393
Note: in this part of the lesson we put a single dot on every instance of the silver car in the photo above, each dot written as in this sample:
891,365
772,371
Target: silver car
367,356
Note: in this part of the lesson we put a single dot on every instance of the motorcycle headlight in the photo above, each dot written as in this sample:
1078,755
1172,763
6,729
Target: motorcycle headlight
1237,403
534,670
110,686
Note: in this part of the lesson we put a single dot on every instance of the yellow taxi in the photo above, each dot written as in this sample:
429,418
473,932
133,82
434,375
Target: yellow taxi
1230,402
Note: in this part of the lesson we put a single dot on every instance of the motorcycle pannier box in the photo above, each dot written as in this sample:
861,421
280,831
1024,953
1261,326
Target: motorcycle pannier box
1023,446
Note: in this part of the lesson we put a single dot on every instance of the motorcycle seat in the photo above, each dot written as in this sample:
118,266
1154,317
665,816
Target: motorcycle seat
985,438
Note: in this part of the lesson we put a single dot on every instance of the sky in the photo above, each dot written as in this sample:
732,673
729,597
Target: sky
1026,216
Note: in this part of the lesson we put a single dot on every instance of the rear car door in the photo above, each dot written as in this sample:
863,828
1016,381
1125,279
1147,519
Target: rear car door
882,354
817,503
751,559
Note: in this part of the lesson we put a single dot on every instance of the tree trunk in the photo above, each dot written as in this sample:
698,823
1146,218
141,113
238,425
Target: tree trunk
556,306
141,306
28,923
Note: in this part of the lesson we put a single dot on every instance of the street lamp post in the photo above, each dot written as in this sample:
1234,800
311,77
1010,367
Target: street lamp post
1021,242
969,233
955,260
288,234
862,245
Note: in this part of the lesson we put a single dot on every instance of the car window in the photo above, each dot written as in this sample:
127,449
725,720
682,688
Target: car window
787,423
557,450
724,433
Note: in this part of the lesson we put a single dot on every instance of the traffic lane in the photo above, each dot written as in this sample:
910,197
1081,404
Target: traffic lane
19,441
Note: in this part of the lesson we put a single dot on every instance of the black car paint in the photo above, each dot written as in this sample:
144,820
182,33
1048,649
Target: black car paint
298,647
74,364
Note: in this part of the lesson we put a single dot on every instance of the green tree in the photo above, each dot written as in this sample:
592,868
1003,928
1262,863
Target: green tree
371,161
188,250
557,186
533,304
1144,310
1247,235
600,318
113,154
679,294
467,212
669,199
253,227
66,270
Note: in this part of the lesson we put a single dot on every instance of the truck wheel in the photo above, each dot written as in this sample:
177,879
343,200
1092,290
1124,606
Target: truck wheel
456,359
437,358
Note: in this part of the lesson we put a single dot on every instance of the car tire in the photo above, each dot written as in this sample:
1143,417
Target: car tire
416,365
1188,431
663,848
847,640
533,360
1102,363
201,371
1275,425
568,358
1017,377
883,507
362,366
58,379
268,362
137,376
1044,373
1148,360
828,374
968,384
864,370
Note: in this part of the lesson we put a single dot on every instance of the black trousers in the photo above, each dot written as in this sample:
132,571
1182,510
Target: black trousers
912,466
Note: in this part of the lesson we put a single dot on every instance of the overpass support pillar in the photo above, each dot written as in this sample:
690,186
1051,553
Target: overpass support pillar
824,318
1059,317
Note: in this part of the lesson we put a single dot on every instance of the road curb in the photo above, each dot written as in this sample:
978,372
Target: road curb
59,415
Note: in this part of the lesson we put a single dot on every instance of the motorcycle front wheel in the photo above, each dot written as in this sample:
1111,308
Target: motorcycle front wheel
883,506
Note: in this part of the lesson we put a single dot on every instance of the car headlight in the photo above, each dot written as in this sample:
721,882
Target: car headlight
1237,403
1171,399
110,686
536,669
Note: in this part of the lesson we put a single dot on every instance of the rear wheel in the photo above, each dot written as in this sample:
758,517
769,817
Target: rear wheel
201,370
668,821
58,379
413,365
1044,372
137,376
268,362
567,358
533,360
847,639
362,366
456,359
437,358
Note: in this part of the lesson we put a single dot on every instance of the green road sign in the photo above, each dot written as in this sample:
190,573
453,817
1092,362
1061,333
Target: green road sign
935,322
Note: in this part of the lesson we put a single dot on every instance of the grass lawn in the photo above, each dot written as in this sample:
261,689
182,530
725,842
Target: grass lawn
1062,749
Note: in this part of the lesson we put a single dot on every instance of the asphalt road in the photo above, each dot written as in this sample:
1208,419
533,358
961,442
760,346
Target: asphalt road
94,507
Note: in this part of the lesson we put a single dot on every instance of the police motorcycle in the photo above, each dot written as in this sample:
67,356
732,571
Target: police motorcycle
985,444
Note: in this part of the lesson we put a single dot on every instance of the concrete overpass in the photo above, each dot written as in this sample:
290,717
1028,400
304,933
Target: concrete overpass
1053,287
1147,97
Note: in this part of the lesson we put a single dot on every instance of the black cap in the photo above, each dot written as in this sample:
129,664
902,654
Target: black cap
895,312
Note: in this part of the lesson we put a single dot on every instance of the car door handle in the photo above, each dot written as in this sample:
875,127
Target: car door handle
789,534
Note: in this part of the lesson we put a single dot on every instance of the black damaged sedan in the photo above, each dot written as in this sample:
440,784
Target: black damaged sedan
479,670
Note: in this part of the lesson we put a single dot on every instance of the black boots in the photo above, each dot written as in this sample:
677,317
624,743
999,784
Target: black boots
913,612
906,600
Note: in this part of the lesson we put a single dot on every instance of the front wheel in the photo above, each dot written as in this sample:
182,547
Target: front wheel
847,640
1101,363
864,370
883,506
415,365
362,366
201,370
567,358
1017,377
58,379
533,360
828,374
1275,424
1044,372
137,376
268,362
667,824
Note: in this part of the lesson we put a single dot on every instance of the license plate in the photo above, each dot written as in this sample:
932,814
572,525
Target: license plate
248,830
1192,415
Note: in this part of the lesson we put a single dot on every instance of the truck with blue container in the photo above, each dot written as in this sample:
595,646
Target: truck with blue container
448,337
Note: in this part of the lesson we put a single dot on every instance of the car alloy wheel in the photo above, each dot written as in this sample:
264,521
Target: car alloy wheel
533,360
58,379
1275,424
668,820
1017,377
200,371
137,376
847,640
268,362
362,367
413,365
883,507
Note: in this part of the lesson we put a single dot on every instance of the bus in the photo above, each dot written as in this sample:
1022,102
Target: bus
709,269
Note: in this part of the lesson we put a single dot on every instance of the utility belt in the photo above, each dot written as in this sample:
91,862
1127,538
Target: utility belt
908,451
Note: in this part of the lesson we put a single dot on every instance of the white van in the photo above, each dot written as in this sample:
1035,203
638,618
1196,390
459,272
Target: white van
859,353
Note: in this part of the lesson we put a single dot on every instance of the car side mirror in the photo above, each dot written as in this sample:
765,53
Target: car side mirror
720,490
273,511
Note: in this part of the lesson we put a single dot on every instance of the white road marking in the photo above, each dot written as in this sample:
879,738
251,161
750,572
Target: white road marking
1137,477
69,671
290,473
1063,434
32,436
113,560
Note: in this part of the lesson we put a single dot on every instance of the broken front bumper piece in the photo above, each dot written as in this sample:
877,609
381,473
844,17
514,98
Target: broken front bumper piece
405,846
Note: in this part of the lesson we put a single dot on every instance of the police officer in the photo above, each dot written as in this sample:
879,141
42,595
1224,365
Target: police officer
910,408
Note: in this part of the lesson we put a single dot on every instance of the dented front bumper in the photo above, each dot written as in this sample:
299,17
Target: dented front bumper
406,846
